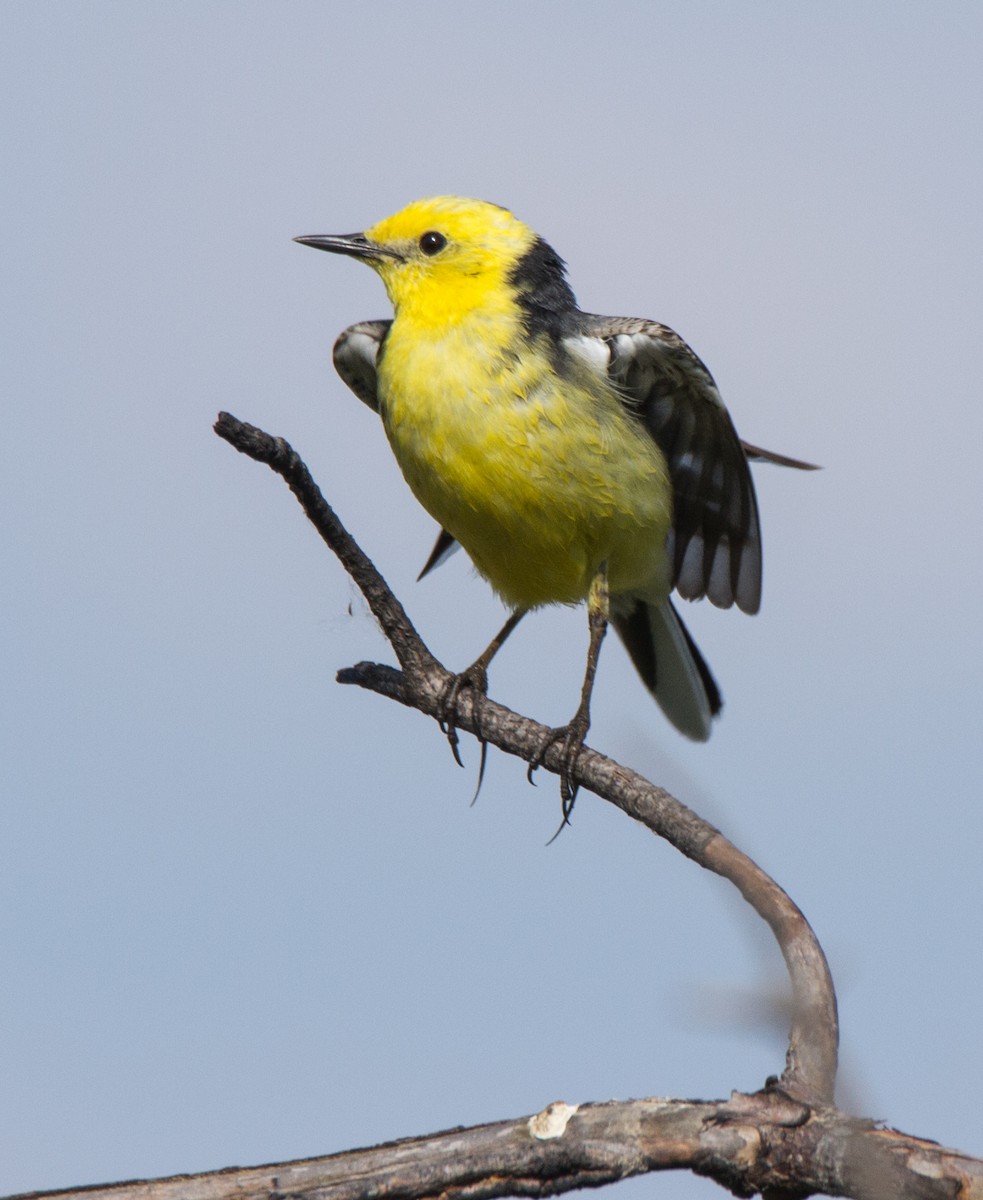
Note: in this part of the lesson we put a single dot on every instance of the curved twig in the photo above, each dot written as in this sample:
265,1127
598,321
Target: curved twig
810,1066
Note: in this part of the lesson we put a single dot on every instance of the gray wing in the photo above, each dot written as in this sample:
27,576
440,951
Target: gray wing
445,545
756,454
715,541
356,354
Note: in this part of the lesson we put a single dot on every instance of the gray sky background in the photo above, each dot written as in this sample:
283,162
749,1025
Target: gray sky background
247,914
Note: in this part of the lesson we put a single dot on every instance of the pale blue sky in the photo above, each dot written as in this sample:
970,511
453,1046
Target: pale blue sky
247,914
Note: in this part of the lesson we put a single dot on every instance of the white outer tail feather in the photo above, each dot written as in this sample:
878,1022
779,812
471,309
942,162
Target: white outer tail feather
679,687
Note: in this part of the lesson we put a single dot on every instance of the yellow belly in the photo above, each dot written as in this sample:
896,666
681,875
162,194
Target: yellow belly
540,477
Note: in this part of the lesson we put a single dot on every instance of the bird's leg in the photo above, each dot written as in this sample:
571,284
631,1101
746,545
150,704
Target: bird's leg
476,678
572,735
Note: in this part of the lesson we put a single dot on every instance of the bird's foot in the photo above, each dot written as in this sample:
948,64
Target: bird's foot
571,737
474,677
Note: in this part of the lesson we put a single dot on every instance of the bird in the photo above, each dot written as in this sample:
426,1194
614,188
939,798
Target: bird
574,457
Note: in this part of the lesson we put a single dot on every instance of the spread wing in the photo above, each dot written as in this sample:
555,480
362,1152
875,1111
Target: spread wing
355,355
715,541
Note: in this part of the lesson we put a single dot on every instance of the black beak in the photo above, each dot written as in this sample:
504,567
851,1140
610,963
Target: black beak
356,245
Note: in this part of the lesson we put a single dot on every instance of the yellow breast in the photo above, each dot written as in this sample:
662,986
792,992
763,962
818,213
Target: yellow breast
541,476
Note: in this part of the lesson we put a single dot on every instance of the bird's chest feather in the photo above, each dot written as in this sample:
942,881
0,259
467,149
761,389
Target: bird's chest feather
471,423
535,471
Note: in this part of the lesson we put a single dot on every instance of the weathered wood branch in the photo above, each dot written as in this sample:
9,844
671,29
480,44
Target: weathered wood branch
764,1143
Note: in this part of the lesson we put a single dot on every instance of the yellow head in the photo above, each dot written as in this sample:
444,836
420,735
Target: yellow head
447,256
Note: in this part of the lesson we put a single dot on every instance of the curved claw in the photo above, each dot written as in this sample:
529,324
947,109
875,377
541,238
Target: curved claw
572,736
481,770
449,730
476,678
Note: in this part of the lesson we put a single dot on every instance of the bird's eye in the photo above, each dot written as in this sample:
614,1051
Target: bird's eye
432,242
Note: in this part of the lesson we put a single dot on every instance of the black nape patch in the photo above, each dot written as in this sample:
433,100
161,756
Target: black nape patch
545,297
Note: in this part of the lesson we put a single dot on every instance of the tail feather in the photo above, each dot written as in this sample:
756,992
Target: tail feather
670,664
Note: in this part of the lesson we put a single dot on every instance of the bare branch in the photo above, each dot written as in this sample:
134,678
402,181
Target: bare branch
810,1068
280,456
766,1142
